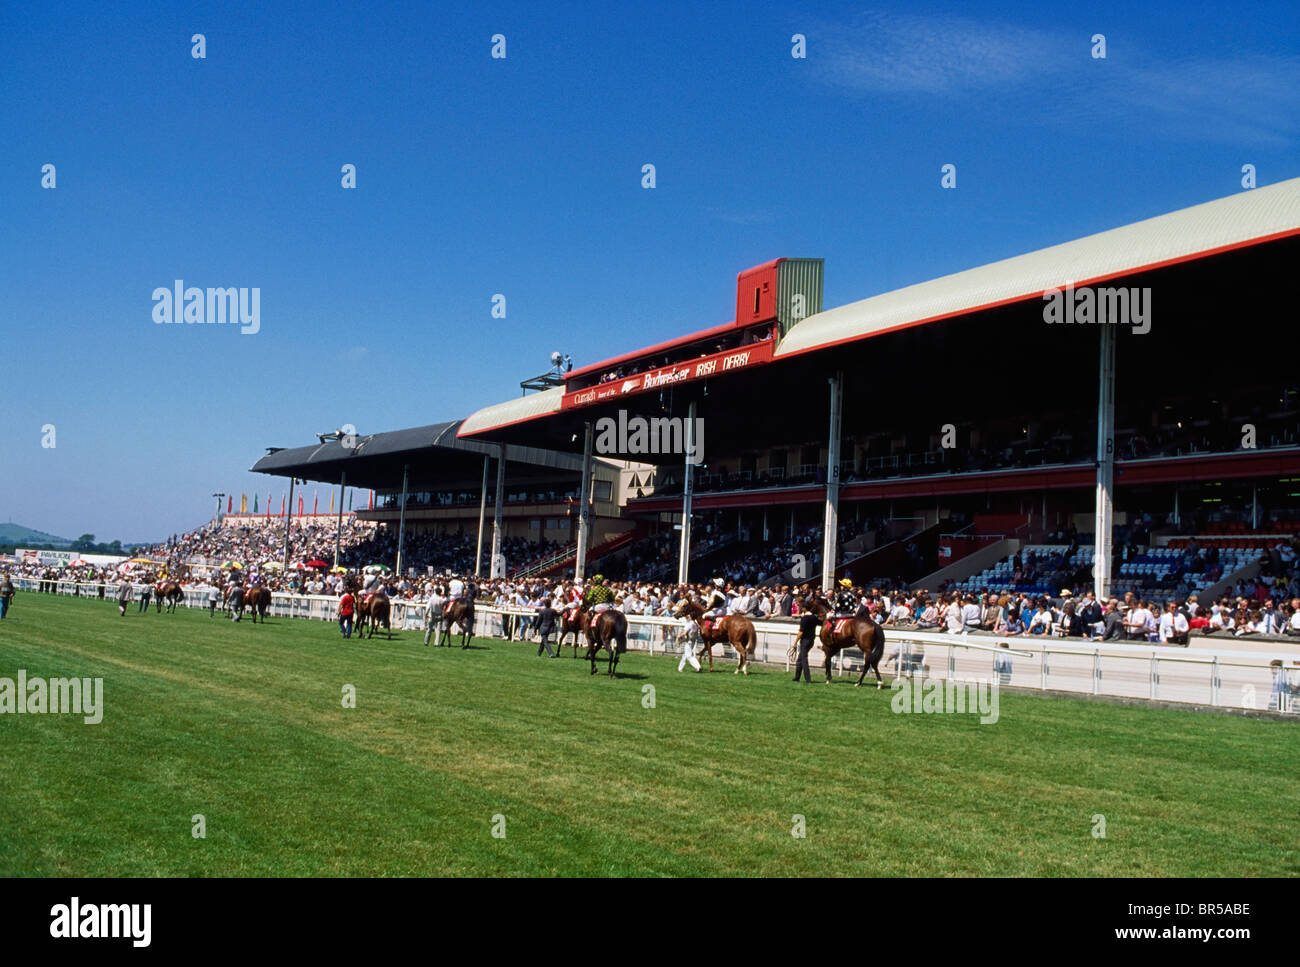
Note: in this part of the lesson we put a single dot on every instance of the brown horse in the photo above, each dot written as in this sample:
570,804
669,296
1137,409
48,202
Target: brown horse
735,630
169,591
572,623
460,613
608,631
371,611
258,602
861,633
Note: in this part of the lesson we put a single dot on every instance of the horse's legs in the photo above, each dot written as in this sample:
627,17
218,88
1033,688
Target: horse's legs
708,647
830,651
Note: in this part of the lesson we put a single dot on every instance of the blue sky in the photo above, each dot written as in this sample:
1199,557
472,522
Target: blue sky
522,176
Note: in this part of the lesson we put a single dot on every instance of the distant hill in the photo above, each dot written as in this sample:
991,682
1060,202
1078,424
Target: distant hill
18,534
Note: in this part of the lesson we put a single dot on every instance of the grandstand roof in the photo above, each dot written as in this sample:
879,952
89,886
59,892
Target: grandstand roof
433,453
1174,251
1246,218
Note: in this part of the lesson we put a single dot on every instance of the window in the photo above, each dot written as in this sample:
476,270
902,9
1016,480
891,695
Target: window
757,295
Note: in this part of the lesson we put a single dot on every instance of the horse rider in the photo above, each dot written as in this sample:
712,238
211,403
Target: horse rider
715,604
846,602
598,597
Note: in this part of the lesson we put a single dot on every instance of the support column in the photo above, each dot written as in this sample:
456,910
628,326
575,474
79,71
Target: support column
688,491
1105,510
584,507
497,510
338,533
1254,506
831,526
482,521
401,523
288,525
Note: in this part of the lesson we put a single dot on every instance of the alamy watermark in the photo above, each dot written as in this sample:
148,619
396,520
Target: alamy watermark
914,696
630,436
1088,305
242,306
57,696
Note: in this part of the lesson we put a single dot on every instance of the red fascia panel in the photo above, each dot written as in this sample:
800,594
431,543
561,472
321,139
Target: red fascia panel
1037,294
756,294
662,347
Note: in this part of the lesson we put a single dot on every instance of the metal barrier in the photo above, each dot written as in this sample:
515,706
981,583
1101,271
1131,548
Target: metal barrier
1229,679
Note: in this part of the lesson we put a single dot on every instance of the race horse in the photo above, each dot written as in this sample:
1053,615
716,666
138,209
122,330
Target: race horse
258,602
456,612
571,623
606,630
838,634
374,609
169,591
734,629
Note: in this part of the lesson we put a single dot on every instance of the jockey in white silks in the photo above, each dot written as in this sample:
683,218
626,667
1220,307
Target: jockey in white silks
715,605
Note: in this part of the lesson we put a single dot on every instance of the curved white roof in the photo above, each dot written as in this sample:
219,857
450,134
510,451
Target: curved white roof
1249,217
513,411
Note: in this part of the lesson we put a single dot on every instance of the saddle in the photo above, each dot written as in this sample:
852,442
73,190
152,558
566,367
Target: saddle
572,614
365,602
837,625
706,624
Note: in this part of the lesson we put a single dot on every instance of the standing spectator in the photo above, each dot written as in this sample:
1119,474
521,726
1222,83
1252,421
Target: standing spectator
546,627
214,595
807,631
347,606
6,596
124,594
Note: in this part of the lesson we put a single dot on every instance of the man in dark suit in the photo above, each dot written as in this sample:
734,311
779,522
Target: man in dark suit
546,626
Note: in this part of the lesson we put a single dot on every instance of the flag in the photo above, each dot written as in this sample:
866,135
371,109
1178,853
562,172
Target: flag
372,501
243,503
349,500
282,503
230,503
331,502
268,506
300,505
255,503
315,502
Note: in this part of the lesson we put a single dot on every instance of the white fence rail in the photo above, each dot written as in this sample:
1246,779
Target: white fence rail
1199,676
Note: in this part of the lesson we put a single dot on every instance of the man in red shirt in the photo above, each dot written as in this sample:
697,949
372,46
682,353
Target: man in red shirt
347,605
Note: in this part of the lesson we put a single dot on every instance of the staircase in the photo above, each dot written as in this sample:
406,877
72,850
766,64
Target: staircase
569,554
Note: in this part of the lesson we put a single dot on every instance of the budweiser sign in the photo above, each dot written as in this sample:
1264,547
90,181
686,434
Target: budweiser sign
702,368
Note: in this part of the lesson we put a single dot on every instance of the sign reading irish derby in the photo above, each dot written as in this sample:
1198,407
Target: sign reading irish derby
667,376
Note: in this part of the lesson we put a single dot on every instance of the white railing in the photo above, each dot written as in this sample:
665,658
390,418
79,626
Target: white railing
1196,676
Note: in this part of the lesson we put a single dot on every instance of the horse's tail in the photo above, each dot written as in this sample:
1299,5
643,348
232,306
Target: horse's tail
877,647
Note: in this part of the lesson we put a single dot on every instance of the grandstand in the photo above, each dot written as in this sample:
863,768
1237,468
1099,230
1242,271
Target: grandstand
917,410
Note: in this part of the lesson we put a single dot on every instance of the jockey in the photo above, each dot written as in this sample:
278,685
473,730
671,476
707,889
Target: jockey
598,597
715,602
846,602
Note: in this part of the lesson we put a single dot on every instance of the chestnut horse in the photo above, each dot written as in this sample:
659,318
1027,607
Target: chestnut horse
608,631
258,602
169,591
372,611
735,630
861,633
